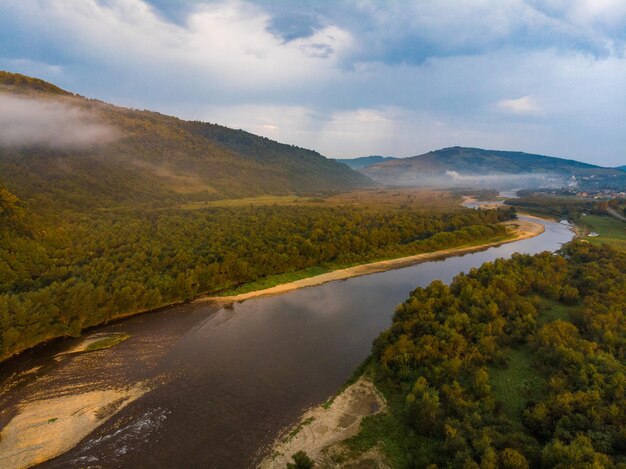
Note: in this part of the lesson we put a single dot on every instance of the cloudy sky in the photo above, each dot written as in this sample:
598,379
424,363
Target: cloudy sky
347,78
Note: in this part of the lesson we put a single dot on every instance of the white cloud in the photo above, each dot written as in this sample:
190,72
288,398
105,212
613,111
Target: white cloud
220,44
523,105
394,77
609,12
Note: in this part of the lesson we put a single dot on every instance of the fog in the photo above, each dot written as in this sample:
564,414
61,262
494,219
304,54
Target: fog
452,179
27,122
505,180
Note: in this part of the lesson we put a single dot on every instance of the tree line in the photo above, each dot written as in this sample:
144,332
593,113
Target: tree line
60,274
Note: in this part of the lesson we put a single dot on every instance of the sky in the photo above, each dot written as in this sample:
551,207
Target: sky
347,78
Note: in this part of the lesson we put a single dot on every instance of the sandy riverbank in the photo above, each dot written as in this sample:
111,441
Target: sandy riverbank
471,201
321,430
521,229
46,428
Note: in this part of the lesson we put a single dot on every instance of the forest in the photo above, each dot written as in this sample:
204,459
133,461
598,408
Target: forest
519,363
61,273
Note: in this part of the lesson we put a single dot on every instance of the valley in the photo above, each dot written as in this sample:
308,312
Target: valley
175,293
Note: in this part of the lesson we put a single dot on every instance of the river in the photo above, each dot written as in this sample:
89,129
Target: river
226,381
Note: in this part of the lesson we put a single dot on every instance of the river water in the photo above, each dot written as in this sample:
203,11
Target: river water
226,381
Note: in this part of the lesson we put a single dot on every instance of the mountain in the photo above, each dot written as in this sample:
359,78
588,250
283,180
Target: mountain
475,167
365,161
60,148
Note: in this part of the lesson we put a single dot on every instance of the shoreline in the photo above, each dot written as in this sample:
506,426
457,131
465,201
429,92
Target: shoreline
523,229
321,430
395,263
46,428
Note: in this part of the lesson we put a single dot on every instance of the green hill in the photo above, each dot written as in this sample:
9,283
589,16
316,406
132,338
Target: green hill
365,161
459,166
86,153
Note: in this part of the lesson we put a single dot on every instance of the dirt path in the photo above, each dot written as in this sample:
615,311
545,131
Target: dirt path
521,229
616,214
323,427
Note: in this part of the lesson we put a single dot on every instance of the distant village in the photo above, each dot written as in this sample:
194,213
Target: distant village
598,186
605,194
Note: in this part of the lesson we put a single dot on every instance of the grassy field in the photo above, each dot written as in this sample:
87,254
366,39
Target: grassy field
415,199
106,342
611,230
514,384
273,280
253,201
552,310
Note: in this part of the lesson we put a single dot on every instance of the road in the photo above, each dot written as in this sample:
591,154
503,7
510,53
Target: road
616,214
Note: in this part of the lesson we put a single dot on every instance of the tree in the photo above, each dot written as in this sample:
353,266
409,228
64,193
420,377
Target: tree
513,459
301,460
579,453
423,407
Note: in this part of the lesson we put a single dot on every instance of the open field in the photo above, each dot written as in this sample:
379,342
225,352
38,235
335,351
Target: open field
414,199
610,230
515,384
552,310
253,201
519,381
404,198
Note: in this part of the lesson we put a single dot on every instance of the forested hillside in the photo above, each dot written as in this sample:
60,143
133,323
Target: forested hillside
519,363
64,150
365,161
476,167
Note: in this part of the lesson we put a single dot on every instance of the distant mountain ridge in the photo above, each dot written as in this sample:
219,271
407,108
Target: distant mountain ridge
476,167
141,156
364,161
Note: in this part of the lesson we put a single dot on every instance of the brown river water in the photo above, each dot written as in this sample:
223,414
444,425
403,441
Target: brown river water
225,381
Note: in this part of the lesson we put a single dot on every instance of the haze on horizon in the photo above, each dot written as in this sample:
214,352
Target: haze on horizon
347,79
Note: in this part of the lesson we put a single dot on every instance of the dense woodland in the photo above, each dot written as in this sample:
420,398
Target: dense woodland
60,274
519,363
